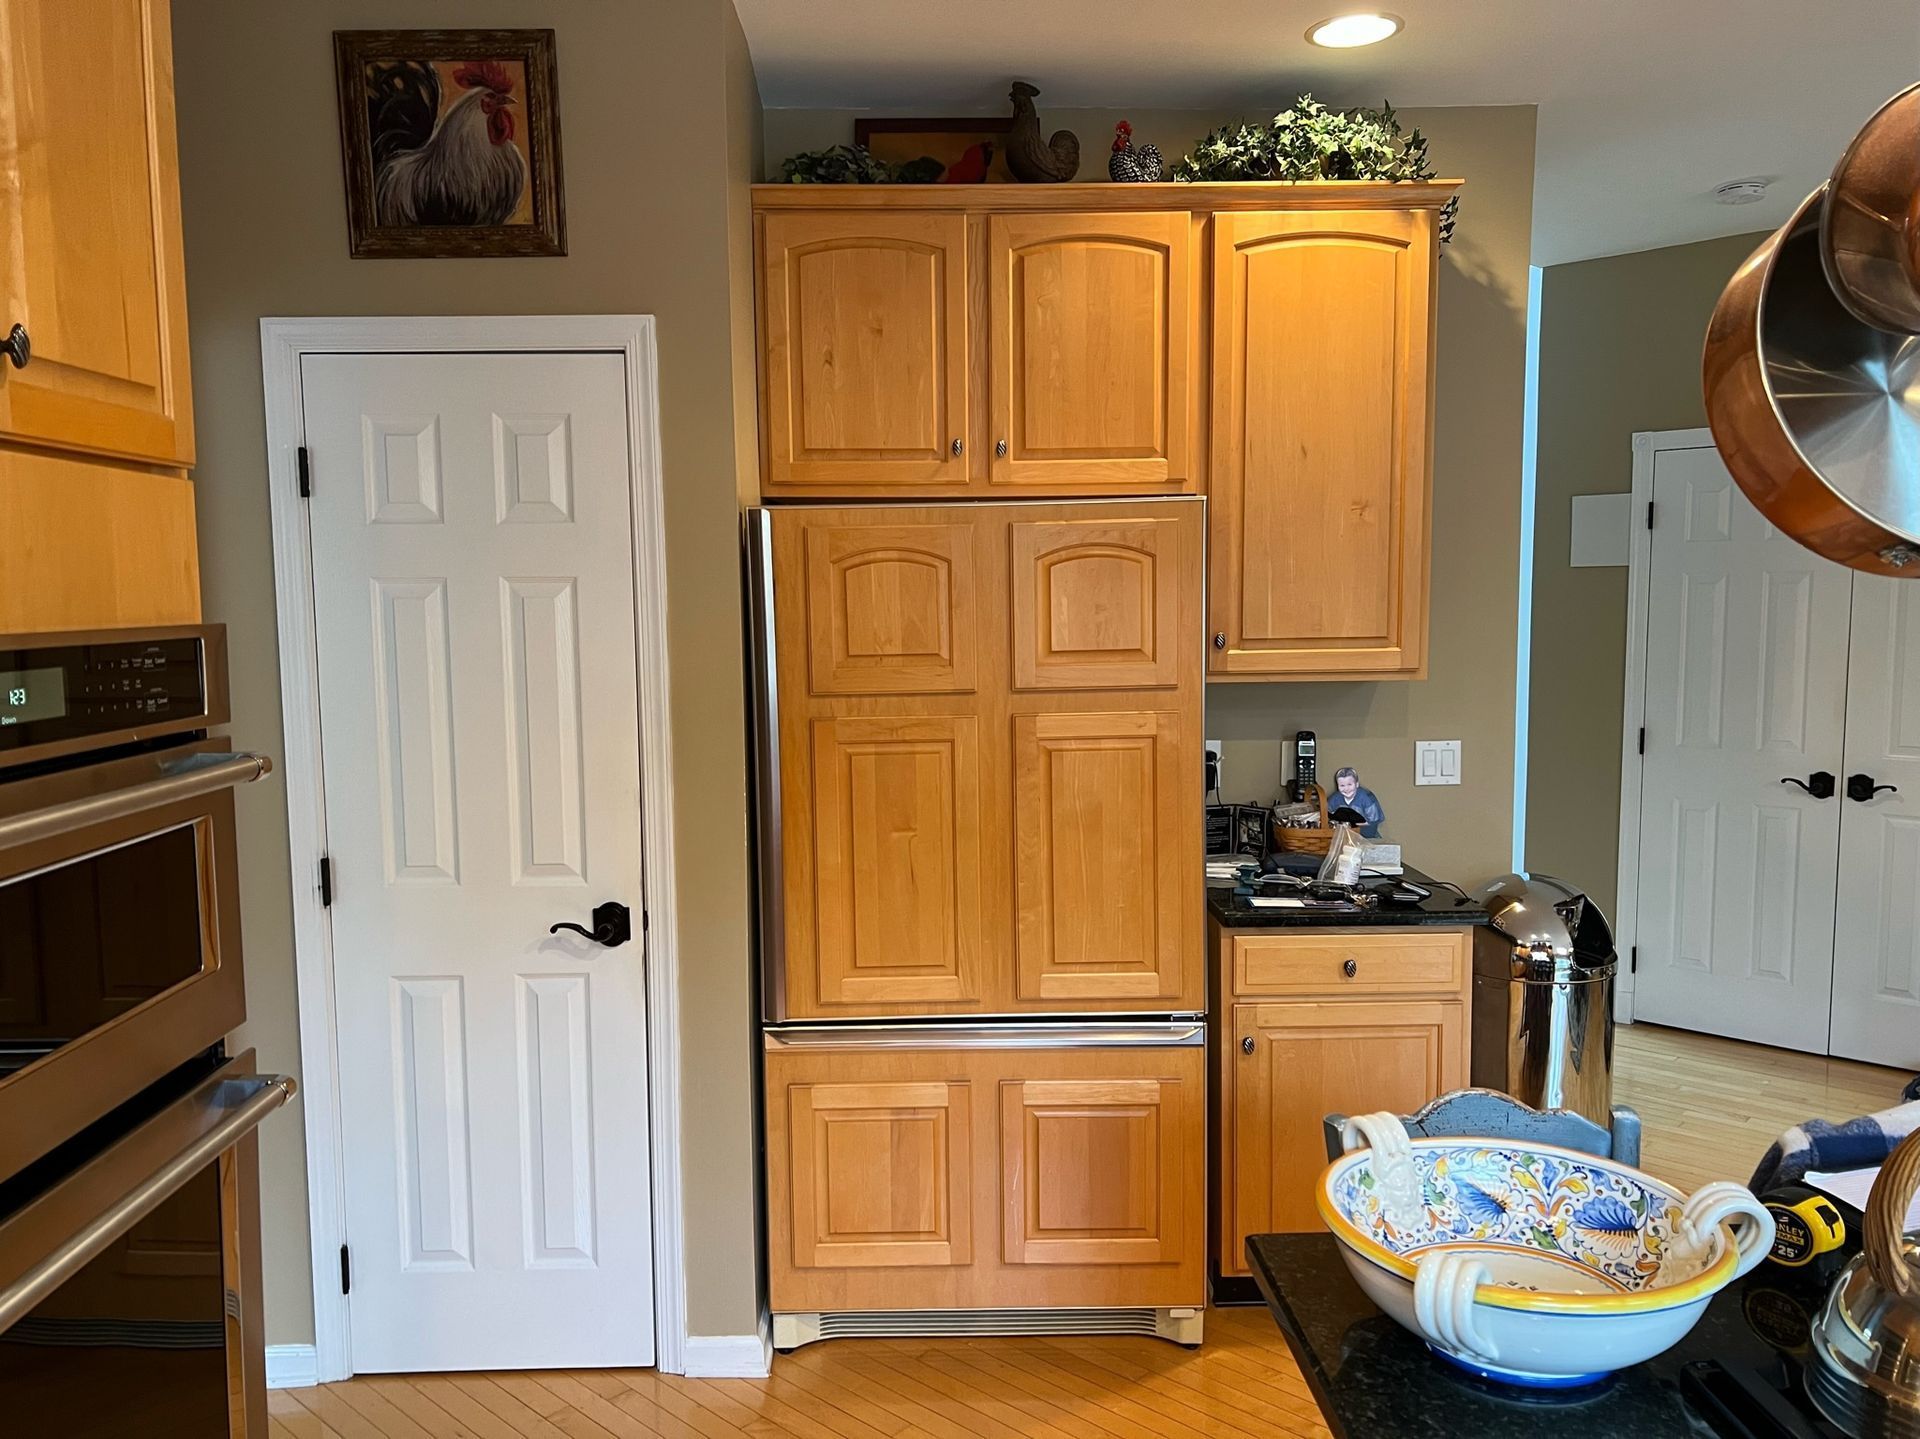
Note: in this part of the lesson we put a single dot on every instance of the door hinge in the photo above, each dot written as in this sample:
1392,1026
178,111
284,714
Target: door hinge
1643,739
306,473
346,1272
643,921
1649,509
1633,960
326,881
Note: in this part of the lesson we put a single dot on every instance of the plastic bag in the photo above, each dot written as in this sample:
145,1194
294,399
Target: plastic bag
1344,853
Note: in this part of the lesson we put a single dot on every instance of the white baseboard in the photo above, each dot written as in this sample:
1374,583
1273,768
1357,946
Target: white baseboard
292,1366
730,1356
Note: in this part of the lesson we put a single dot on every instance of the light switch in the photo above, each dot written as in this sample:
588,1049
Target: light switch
1436,761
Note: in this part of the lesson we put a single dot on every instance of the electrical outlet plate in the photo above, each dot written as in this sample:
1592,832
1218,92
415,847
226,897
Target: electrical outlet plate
1217,754
1436,761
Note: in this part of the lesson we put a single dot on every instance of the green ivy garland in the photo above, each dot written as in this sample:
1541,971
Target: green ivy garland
855,165
1311,142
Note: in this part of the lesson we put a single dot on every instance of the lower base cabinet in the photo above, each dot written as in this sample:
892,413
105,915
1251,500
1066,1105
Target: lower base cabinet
985,1178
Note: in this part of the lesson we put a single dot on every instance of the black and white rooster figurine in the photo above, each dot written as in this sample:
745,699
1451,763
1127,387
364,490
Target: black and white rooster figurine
1130,162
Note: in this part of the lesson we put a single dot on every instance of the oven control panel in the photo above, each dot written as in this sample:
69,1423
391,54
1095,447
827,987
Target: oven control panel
67,693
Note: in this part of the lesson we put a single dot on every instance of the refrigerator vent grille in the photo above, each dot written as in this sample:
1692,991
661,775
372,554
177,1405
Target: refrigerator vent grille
956,1323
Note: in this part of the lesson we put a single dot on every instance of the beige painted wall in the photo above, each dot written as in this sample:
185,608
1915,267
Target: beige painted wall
1620,345
659,130
1464,833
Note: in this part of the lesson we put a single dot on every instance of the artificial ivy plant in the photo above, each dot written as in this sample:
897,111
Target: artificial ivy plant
854,165
1311,142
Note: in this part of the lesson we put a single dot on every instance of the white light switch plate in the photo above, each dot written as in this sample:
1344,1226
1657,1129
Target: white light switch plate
1436,761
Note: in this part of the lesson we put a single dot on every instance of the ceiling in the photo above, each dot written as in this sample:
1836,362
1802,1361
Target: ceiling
1645,105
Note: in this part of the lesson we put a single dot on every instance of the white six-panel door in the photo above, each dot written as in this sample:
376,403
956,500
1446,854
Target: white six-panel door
473,576
1746,688
1876,958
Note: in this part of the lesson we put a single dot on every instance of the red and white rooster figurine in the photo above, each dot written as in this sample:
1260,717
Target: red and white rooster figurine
1129,162
460,168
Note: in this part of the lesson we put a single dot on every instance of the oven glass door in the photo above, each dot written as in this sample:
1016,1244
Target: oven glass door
84,942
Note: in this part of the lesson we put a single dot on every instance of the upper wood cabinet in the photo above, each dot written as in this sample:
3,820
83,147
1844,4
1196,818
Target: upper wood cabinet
978,817
90,253
864,361
1322,387
1089,371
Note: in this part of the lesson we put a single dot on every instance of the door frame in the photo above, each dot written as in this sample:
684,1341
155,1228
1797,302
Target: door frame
283,343
1648,445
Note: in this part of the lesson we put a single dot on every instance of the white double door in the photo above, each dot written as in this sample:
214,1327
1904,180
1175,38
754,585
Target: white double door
474,617
1768,912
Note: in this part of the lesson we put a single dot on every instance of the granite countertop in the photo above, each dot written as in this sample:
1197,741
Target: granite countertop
1443,908
1371,1378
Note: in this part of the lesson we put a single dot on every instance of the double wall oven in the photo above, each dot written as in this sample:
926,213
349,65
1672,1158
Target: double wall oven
129,1248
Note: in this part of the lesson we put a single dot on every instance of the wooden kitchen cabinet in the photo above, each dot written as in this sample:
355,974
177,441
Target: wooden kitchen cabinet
91,267
1323,343
1312,1022
980,1177
979,816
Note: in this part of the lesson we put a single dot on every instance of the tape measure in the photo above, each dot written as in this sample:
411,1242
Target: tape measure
1806,1225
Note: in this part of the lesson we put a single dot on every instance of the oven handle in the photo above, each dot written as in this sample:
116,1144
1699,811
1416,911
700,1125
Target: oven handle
264,1095
187,777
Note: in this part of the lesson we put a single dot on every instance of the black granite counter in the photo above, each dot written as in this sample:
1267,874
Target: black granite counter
1372,1379
1444,907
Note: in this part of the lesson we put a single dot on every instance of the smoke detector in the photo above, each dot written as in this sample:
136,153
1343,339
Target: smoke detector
1741,192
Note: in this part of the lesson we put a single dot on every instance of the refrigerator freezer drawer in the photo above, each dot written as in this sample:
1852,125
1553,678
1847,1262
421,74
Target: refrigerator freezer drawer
954,1175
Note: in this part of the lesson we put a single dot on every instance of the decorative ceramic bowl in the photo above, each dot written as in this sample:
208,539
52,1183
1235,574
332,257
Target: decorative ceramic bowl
1529,1263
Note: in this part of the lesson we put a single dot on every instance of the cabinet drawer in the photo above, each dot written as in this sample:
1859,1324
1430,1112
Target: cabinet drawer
1411,961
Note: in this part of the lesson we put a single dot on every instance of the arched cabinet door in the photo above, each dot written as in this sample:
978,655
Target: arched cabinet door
864,328
1322,418
1091,371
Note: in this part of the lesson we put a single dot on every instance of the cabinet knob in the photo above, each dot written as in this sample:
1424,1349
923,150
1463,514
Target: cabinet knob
957,447
18,346
1351,967
1246,1045
1220,641
1000,449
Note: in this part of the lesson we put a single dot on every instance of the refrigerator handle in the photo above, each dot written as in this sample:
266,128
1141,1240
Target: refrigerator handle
1184,1032
764,676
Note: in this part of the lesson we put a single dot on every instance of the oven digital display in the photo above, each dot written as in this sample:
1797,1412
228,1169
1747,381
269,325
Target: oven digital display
32,695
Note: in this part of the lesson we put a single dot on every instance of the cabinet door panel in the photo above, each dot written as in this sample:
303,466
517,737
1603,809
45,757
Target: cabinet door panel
90,254
865,369
1312,1060
890,609
1323,367
879,1174
896,823
1094,1170
1101,604
1090,350
1102,838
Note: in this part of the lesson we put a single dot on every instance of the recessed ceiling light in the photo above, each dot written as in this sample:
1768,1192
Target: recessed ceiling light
1343,32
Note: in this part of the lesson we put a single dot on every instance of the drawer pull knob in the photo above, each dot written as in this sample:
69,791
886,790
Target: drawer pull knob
1351,967
1246,1045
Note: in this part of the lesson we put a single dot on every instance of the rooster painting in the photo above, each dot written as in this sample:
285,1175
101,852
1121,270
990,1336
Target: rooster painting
452,142
457,166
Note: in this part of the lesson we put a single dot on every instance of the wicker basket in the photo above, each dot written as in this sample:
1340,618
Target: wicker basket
1306,841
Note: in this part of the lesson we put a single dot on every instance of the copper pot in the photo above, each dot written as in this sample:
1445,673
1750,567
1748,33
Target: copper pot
1816,414
1870,224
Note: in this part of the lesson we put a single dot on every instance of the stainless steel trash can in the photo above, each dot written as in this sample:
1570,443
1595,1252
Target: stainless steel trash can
1543,997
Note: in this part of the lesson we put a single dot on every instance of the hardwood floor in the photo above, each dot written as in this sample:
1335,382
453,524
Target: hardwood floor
1711,1107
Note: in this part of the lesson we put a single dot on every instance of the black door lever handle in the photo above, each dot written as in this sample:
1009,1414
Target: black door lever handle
1819,784
1862,788
612,925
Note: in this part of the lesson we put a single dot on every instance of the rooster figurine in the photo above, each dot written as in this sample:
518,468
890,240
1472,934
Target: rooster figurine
1028,156
460,168
1130,163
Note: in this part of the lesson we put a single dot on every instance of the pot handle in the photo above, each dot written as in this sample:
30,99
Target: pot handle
1887,1206
1392,1162
1443,1288
1724,1202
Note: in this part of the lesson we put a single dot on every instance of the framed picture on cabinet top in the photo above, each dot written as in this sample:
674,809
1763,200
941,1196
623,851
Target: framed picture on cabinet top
451,141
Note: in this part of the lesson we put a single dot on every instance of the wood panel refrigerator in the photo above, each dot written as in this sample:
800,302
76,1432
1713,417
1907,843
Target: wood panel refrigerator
981,916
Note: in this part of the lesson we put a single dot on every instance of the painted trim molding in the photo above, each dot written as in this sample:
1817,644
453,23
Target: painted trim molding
292,1366
1633,711
730,1356
283,342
